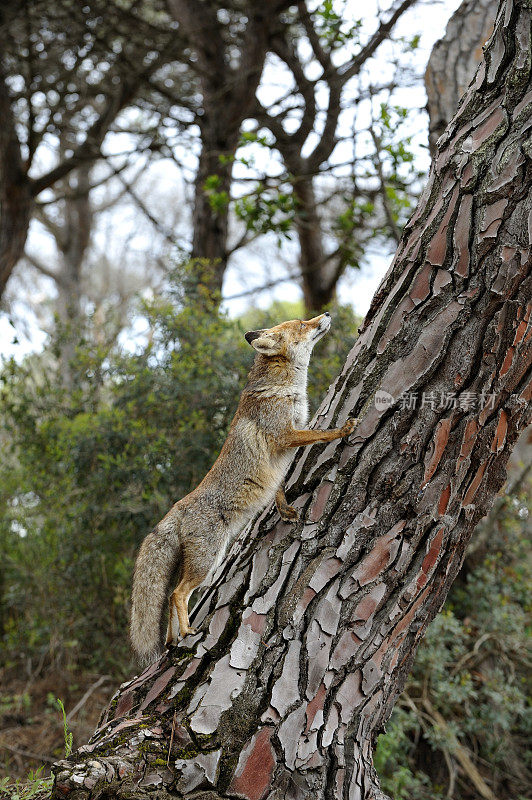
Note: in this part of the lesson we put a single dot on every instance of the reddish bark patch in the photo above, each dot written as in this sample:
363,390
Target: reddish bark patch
159,686
441,437
507,363
468,441
124,705
475,483
320,502
345,648
191,669
520,332
500,434
366,608
302,603
379,558
438,246
314,706
326,570
492,219
430,559
257,622
421,286
444,500
254,771
485,130
461,234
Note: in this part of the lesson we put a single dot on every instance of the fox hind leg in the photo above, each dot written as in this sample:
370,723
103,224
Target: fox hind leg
288,514
178,621
195,567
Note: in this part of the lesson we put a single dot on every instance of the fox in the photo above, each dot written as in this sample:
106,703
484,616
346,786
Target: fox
186,547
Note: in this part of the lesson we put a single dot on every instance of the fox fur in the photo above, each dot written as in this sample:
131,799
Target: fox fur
189,543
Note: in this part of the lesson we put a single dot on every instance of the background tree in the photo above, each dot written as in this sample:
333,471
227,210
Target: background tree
306,134
142,86
307,635
228,47
68,72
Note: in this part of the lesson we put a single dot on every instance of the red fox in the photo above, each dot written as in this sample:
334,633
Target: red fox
190,541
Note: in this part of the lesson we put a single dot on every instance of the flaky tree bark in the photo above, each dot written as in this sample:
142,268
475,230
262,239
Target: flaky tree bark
307,635
454,61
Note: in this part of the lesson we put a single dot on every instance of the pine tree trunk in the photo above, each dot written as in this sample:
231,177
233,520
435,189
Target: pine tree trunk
454,61
228,97
307,635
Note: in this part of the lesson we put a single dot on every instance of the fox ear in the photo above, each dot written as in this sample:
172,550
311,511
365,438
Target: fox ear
251,335
262,343
265,345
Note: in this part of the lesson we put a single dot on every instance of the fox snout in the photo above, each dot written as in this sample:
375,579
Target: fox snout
324,323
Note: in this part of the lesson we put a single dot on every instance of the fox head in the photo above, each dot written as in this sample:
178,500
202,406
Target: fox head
292,340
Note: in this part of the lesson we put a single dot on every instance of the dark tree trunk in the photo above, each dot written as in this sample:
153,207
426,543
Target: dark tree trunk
317,274
307,635
209,221
15,195
454,60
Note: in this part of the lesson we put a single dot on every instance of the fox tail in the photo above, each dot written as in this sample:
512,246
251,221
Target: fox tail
156,568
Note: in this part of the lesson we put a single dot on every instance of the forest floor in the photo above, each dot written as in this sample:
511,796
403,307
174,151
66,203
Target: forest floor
31,721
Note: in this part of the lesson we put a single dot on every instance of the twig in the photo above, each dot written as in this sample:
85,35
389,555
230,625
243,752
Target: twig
90,690
174,721
27,753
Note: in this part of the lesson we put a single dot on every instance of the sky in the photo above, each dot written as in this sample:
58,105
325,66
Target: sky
256,265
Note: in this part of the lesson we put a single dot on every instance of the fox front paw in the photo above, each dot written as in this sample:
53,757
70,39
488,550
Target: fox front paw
289,514
349,426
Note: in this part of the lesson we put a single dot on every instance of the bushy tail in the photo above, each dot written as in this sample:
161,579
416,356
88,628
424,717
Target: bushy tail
155,569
